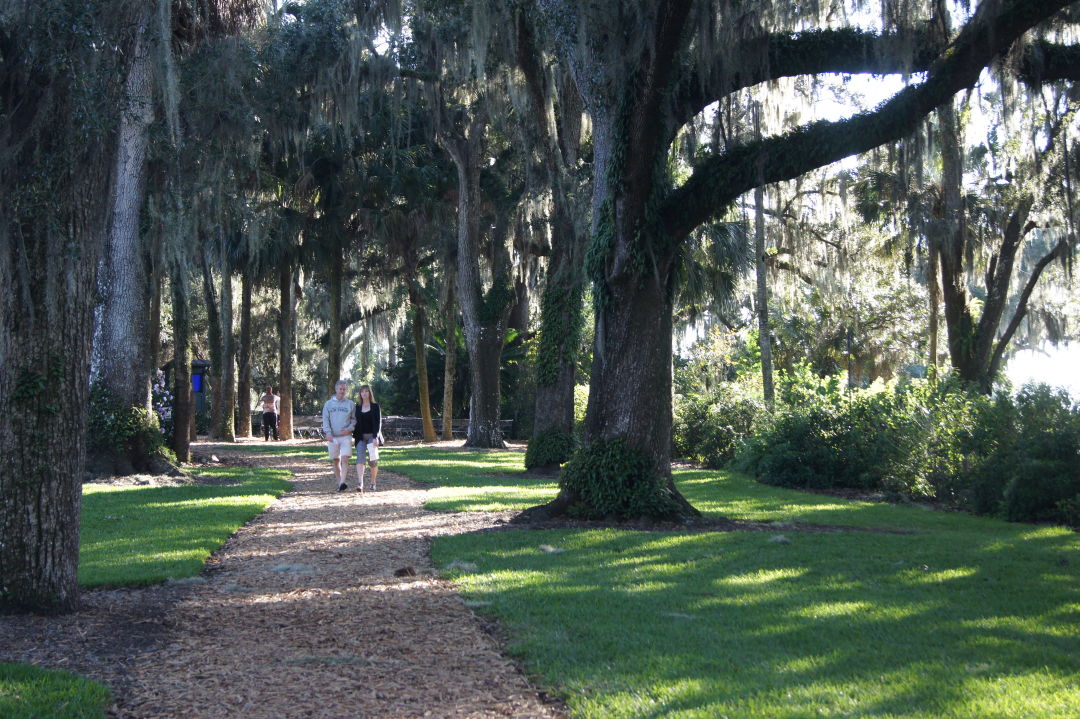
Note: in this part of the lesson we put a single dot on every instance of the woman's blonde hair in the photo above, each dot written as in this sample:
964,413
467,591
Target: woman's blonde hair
368,388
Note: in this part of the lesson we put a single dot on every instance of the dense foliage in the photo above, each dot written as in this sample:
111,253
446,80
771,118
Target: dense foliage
1013,455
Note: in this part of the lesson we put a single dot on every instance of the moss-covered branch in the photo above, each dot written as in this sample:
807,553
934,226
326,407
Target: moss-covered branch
721,179
773,56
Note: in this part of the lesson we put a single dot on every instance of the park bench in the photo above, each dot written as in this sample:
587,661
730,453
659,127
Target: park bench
393,427
303,426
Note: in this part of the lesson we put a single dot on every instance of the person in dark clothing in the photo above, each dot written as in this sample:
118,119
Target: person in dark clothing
368,436
271,408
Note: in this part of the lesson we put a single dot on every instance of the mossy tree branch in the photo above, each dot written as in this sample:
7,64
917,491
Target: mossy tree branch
719,180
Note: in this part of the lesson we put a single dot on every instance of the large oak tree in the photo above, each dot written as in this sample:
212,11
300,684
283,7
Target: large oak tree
646,69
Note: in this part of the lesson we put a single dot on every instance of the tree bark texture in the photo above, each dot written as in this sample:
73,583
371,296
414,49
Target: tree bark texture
217,359
59,91
183,402
419,328
243,359
287,308
122,345
484,313
46,329
450,323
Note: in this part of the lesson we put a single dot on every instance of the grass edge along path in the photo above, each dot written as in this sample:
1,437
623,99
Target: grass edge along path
29,692
136,535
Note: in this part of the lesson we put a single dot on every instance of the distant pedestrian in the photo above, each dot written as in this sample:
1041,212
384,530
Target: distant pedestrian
338,422
368,436
271,410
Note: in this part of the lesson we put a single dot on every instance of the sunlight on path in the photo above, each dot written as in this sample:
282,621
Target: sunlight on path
302,614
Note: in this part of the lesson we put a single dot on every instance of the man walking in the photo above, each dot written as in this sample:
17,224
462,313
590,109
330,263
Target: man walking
338,422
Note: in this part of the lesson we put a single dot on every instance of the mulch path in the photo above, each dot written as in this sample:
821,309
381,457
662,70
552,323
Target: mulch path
326,605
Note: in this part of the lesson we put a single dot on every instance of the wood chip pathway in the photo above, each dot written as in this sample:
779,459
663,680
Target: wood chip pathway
300,614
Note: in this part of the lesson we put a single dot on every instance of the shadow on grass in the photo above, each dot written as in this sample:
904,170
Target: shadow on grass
738,624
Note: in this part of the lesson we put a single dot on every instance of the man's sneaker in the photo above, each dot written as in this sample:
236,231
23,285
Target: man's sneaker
342,487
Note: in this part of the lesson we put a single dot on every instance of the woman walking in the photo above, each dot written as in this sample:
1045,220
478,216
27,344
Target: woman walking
368,436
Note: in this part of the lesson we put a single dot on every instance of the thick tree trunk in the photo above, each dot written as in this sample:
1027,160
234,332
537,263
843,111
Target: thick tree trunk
419,328
46,330
183,405
287,309
243,355
59,144
122,348
561,319
450,323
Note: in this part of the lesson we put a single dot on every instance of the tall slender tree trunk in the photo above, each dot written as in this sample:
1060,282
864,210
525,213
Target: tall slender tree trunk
761,297
484,314
934,292
228,358
419,328
287,308
450,323
243,359
333,348
155,321
217,359
183,405
561,320
558,109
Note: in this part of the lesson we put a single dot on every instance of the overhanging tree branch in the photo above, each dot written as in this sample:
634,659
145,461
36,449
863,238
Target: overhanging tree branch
719,180
813,52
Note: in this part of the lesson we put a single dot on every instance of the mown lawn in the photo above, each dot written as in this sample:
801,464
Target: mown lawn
145,535
31,693
920,614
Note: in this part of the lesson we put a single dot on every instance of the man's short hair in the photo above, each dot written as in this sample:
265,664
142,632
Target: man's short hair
341,383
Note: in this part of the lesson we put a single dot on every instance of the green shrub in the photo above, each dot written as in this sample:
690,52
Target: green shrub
709,428
1041,461
612,479
1017,456
113,427
550,448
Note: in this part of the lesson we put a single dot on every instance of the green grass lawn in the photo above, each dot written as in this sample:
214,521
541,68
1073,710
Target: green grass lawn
32,693
941,615
144,535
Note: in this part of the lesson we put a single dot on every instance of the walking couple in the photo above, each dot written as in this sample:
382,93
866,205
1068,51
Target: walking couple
345,421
